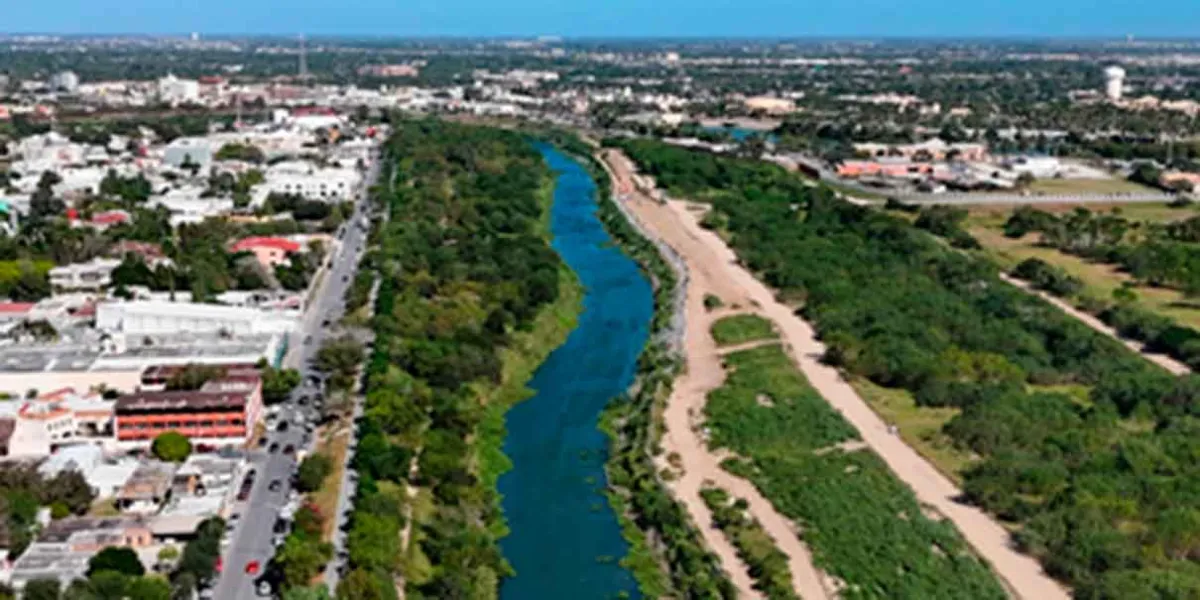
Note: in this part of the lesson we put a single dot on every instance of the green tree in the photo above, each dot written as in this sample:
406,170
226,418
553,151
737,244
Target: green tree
171,446
361,584
301,558
313,471
42,589
193,376
311,592
119,559
149,587
278,384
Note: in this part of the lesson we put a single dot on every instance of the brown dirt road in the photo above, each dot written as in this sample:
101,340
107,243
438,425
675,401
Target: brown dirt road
1162,360
704,372
713,268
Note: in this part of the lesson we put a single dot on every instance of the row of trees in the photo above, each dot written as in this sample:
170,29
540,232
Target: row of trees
1100,490
464,264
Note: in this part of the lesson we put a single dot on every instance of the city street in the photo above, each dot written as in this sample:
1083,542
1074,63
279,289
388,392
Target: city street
252,538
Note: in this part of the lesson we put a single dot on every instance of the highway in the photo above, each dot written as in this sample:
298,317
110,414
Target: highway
252,538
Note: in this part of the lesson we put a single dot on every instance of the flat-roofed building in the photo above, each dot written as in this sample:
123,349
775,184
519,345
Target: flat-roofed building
64,547
222,412
156,317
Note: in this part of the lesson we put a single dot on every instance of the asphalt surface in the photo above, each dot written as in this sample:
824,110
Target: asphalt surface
252,538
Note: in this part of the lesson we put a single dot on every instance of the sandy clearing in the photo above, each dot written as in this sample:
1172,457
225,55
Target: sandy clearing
703,373
1162,360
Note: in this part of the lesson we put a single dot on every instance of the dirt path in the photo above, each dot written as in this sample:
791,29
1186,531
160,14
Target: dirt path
1020,572
704,372
1162,360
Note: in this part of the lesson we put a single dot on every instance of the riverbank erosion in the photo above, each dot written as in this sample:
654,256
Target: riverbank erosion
472,300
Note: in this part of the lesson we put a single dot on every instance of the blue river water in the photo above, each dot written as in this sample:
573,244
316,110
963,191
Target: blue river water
565,540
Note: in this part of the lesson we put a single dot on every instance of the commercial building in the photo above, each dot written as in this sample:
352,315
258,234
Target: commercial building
190,151
309,181
158,317
934,149
222,412
175,91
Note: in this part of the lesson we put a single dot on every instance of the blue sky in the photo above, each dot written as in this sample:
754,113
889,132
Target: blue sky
606,18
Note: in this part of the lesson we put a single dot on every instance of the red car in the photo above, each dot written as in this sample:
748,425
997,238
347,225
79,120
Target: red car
252,567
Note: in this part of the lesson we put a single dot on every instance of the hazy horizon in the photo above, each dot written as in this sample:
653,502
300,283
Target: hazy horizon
774,19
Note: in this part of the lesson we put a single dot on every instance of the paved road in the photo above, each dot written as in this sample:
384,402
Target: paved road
252,539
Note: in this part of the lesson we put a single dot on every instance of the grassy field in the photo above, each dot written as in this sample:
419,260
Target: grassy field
1099,279
334,440
920,427
740,329
994,216
1086,186
794,446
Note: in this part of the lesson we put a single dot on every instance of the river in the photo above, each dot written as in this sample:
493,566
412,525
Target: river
565,540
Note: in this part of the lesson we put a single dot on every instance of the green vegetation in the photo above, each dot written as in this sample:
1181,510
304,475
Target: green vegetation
341,358
198,562
243,152
712,302
171,446
120,560
741,329
791,440
768,565
467,275
304,552
1099,490
313,471
1153,255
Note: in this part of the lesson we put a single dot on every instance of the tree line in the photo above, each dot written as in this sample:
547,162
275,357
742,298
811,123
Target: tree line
465,266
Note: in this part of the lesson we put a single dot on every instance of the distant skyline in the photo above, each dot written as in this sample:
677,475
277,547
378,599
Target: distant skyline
613,18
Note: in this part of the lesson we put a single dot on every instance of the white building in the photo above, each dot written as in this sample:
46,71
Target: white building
309,181
93,275
66,81
173,90
194,150
1114,82
152,318
37,428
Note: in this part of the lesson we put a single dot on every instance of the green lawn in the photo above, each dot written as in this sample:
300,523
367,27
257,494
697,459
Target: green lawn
1086,186
920,427
740,329
1099,279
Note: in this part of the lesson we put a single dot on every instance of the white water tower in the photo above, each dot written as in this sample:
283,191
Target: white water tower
1114,82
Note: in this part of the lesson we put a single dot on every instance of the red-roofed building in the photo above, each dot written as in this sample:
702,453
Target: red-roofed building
15,311
270,251
101,220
